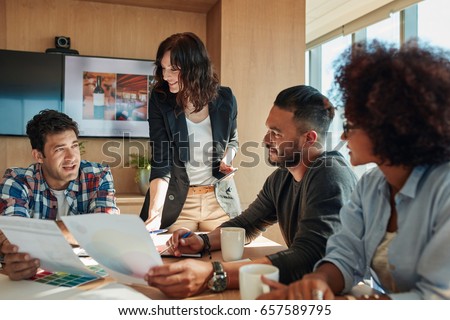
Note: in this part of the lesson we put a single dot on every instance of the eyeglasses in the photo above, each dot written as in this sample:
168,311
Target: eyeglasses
346,126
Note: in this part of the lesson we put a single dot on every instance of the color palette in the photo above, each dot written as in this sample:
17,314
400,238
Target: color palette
62,279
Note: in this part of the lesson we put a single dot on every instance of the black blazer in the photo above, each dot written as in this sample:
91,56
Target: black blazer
170,151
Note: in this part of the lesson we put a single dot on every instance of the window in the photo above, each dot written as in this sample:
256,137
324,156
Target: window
433,22
386,30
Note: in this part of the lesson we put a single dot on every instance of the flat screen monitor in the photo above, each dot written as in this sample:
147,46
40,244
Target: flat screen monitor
108,97
29,83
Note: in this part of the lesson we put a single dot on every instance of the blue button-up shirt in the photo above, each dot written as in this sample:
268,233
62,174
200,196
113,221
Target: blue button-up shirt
24,192
419,256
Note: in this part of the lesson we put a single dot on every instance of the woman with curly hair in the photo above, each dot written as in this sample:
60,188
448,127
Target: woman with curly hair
193,136
396,227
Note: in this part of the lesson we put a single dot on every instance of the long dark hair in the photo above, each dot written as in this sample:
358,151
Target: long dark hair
198,81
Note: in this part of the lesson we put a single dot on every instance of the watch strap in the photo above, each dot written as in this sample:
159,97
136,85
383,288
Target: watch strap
206,244
217,267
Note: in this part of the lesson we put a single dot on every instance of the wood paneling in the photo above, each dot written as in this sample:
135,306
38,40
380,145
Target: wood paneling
2,24
95,28
200,6
261,54
214,36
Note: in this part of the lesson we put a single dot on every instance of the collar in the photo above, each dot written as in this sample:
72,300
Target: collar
74,185
410,188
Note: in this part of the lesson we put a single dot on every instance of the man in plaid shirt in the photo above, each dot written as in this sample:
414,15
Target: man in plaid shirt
58,184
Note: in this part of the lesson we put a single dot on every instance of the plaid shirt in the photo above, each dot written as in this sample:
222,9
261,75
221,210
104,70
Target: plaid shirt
24,192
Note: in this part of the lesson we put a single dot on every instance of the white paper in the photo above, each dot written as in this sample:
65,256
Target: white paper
28,290
119,243
44,240
109,291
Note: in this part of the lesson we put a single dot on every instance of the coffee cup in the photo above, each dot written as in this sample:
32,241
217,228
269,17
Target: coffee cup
250,284
232,241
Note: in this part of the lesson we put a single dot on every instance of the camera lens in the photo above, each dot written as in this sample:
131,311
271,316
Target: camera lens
62,42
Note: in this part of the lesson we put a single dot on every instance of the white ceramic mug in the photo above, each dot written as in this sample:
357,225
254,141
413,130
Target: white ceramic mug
232,241
250,284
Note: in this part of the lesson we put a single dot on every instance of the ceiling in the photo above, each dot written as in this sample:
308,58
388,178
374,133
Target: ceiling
322,16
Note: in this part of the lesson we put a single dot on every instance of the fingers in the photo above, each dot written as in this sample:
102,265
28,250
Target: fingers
225,168
309,290
191,244
278,294
176,240
176,236
274,285
20,266
180,279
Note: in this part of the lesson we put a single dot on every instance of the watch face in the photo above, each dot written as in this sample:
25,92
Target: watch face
218,283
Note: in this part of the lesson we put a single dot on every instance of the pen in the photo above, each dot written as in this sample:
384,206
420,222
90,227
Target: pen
184,236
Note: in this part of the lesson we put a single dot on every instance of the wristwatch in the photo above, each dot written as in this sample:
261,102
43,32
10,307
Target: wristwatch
218,282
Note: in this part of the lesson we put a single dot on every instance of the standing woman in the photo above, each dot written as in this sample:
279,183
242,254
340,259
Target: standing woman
193,137
396,226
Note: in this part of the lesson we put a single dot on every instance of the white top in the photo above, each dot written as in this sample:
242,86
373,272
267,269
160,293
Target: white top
200,152
63,205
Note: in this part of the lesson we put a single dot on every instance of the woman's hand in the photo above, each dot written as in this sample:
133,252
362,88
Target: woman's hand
311,287
225,168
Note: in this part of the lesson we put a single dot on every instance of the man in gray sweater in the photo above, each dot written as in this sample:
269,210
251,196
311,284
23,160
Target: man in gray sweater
304,195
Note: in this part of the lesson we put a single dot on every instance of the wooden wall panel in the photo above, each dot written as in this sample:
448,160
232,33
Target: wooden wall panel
2,24
262,52
214,36
95,28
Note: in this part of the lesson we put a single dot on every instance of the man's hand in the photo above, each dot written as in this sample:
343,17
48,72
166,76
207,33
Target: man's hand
18,265
191,244
180,279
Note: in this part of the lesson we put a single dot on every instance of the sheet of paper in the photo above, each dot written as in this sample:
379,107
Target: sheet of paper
29,290
119,243
109,291
43,239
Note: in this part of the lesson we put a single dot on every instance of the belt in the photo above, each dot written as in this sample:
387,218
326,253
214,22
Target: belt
200,190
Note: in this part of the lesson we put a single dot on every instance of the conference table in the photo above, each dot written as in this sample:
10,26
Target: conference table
259,247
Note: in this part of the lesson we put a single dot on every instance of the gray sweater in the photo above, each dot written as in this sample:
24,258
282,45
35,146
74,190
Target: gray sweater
307,212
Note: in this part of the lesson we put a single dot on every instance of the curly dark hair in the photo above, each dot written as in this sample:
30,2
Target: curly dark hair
400,96
198,81
48,122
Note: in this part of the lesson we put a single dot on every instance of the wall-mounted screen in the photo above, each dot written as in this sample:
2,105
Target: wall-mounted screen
108,97
29,83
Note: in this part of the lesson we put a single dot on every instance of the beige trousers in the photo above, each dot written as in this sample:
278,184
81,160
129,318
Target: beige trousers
200,212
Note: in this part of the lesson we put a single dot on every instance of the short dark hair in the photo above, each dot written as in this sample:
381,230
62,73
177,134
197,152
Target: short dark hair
199,81
312,110
48,122
400,96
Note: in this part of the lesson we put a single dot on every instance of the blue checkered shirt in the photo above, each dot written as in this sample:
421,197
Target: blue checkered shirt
24,192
